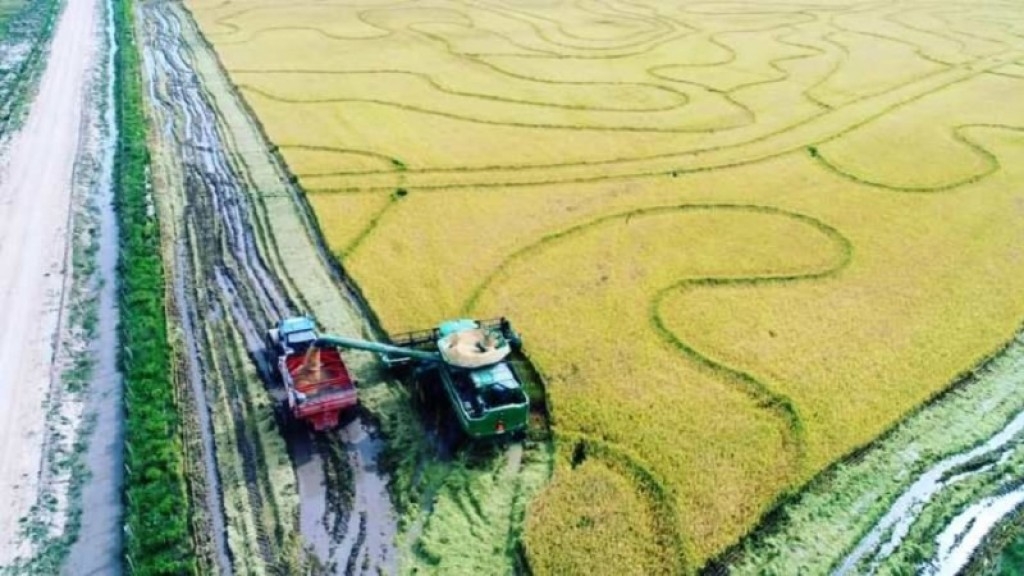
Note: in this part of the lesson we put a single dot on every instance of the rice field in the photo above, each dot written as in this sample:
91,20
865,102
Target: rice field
741,239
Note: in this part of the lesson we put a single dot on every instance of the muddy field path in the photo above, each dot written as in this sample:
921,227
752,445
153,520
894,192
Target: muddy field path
35,194
241,258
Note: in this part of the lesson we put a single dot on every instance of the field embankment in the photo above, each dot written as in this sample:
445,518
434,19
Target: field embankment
99,541
158,539
741,240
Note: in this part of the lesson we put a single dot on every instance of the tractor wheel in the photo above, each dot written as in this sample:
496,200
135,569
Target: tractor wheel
270,357
283,417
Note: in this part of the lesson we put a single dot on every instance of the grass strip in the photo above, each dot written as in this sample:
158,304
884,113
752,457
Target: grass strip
157,539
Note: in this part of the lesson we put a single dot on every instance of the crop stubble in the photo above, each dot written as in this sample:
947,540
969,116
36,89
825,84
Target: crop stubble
741,240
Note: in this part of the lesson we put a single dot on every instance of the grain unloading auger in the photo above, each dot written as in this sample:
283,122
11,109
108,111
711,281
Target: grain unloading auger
469,355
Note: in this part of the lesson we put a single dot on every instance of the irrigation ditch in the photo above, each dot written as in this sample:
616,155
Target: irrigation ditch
931,493
98,544
75,523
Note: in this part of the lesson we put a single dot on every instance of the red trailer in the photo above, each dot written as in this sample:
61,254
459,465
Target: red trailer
318,386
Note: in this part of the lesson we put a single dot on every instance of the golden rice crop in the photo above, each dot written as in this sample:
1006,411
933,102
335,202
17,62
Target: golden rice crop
592,521
741,240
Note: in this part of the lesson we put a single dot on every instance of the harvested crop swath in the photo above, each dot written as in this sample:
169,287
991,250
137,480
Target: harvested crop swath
741,240
157,539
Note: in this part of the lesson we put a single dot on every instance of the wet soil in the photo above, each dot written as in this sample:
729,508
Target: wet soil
97,549
228,291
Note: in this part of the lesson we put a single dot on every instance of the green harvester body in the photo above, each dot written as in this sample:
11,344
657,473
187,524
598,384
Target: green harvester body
488,400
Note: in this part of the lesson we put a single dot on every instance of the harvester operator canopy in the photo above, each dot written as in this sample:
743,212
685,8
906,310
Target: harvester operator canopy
499,375
497,386
473,347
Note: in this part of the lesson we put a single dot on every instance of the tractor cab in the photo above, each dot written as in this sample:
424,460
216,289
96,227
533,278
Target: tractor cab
292,335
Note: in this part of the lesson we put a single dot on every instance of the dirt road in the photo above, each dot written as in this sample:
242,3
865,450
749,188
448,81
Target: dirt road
35,192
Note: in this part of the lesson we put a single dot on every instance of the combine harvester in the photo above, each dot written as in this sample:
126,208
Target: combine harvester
471,358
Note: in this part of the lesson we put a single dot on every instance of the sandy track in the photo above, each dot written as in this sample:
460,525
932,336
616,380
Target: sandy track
35,194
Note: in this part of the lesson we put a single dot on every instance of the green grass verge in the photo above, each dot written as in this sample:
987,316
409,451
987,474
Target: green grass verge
1011,560
157,539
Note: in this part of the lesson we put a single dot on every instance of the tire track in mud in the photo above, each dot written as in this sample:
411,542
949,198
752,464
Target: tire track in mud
228,294
212,217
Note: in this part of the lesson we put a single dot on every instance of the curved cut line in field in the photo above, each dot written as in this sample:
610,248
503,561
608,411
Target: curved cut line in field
480,58
920,50
257,34
960,135
876,86
666,28
547,49
650,486
371,225
550,50
781,405
815,130
682,99
951,27
751,120
838,57
394,164
746,113
225,21
783,75
731,53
